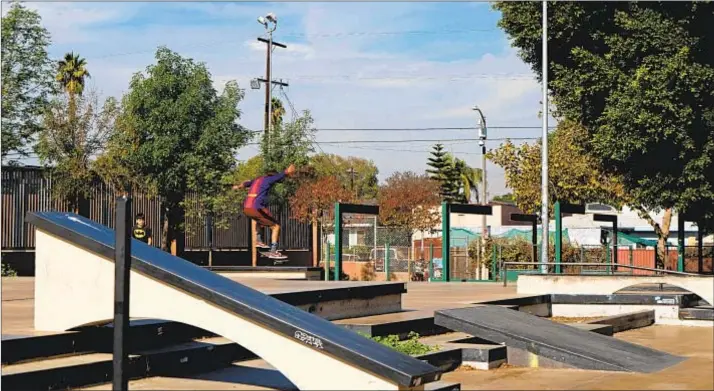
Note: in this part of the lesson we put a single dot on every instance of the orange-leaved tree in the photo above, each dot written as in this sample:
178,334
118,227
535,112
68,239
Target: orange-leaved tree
314,200
409,200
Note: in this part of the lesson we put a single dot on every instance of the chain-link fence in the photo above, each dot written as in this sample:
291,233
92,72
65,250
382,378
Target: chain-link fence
370,251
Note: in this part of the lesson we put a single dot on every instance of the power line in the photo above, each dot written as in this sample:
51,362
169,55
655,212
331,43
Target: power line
418,129
384,33
422,129
338,142
403,150
486,76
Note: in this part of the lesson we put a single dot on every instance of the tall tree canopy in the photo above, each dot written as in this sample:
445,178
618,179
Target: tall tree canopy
26,78
573,175
470,179
314,201
442,171
72,73
288,143
178,134
410,201
640,77
356,174
75,131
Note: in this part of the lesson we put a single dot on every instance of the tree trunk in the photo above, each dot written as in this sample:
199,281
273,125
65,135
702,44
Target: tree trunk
176,236
165,229
662,233
662,239
173,237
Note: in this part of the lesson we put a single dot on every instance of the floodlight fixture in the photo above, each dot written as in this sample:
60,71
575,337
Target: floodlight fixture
255,84
482,132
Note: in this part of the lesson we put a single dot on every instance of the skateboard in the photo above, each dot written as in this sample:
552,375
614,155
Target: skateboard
276,261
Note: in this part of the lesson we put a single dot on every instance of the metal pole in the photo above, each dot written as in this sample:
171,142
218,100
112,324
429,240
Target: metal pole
558,236
680,242
484,201
327,262
122,268
374,242
338,241
269,84
544,147
431,260
386,260
445,241
209,235
700,249
534,241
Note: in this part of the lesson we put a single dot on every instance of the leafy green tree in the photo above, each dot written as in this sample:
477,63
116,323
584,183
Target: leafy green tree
356,174
249,169
443,171
508,197
277,111
640,77
74,131
26,78
178,134
573,175
288,143
469,180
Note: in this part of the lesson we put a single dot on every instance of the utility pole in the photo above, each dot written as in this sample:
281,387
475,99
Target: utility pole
268,81
270,18
544,147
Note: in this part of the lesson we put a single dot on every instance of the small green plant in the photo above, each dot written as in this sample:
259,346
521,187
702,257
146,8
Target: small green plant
7,271
410,346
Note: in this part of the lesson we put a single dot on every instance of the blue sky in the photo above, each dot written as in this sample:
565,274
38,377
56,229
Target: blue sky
353,65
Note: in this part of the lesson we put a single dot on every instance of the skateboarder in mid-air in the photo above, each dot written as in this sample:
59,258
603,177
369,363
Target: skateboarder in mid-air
255,207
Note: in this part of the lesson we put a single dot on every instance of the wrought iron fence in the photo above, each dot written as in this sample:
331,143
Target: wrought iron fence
29,189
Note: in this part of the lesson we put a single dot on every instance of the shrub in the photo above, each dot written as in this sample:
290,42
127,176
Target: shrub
410,346
7,271
519,249
367,272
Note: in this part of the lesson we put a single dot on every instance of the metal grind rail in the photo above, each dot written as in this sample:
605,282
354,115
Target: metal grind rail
504,268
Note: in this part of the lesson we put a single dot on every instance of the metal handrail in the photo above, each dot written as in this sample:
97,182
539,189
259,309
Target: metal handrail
504,268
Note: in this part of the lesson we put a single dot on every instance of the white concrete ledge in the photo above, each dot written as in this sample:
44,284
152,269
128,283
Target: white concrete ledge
542,284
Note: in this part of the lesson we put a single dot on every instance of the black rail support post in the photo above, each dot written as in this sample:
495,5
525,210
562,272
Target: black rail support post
122,267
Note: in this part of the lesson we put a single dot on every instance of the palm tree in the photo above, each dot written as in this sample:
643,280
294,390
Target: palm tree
470,179
71,73
277,112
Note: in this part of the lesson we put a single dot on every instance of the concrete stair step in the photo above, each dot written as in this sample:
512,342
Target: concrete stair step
697,313
94,368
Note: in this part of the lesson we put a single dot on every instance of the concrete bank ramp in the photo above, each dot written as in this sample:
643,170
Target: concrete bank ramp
74,286
554,341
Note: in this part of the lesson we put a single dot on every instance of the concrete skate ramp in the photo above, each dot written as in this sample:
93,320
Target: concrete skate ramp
74,286
554,341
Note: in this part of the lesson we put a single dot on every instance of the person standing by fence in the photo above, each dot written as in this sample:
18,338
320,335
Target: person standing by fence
140,231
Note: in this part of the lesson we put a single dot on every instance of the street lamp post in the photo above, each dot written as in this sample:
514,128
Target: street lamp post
482,135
